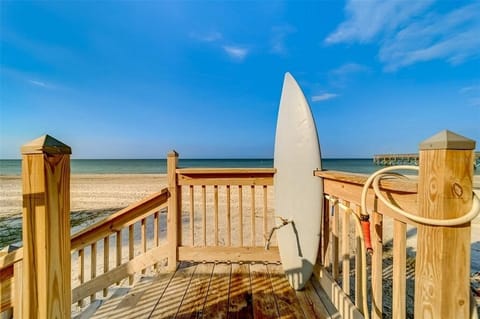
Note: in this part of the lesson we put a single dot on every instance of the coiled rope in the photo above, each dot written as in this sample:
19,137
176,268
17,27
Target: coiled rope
378,175
363,225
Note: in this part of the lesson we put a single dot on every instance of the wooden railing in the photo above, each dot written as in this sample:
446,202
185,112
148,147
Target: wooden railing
226,214
341,244
11,282
203,215
435,276
119,247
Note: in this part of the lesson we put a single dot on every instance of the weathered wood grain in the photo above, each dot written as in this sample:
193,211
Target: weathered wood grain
442,270
285,297
46,233
240,297
168,305
264,305
196,294
216,303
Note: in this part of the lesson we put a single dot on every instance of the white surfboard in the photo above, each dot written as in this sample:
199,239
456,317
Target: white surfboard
298,193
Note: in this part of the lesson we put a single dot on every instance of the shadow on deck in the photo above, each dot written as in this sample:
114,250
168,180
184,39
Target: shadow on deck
216,290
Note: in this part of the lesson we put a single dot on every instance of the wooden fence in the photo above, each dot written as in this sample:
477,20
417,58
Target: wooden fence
226,214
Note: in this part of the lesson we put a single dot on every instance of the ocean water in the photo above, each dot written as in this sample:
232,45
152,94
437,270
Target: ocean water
159,166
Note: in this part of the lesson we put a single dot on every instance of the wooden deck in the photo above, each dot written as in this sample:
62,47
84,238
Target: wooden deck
218,290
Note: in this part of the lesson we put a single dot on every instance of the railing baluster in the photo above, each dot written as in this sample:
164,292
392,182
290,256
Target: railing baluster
399,270
345,251
144,238
335,232
204,211
215,203
155,234
228,221
265,212
252,214
81,271
131,239
118,238
192,217
326,232
377,268
93,266
358,266
240,213
106,259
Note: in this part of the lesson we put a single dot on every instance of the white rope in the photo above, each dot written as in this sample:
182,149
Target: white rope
375,180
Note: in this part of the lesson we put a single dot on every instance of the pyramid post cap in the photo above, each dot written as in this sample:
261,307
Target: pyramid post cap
447,140
172,153
45,144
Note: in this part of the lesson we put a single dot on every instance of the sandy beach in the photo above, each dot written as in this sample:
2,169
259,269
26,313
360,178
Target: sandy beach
94,196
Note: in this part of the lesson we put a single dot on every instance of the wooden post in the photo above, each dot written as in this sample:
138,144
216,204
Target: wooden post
442,286
173,210
46,229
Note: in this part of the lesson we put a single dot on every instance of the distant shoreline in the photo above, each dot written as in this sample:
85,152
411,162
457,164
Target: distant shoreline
159,166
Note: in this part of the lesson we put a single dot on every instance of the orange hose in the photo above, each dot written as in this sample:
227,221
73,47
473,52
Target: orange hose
366,235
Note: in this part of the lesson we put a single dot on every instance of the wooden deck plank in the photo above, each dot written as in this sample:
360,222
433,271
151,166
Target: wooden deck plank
108,305
138,303
285,297
262,293
240,293
311,304
329,307
216,304
149,297
170,301
192,304
220,290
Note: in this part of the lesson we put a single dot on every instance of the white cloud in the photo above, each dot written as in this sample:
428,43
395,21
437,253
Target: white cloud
236,52
207,37
30,78
41,84
342,75
324,97
408,34
216,40
472,94
349,68
469,89
279,35
453,37
367,19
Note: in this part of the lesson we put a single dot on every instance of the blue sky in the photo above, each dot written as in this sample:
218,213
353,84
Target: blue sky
137,79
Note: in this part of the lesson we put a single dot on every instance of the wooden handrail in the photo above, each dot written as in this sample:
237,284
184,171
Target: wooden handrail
396,185
348,187
225,176
226,171
11,258
120,219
